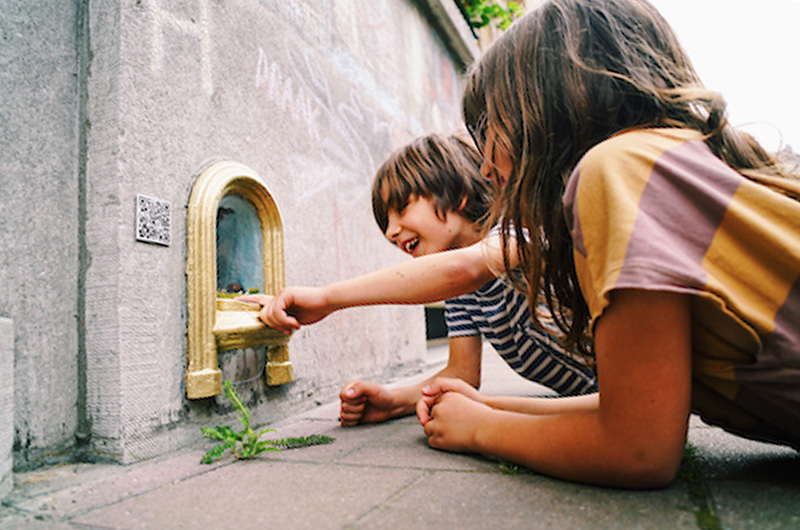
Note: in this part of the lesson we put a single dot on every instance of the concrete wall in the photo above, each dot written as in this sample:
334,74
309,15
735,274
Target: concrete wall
6,405
118,98
39,219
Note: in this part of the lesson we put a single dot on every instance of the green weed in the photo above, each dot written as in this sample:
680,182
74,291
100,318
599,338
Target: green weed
246,444
705,511
301,441
509,468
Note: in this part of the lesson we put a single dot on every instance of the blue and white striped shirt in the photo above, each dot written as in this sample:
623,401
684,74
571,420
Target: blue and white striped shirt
500,313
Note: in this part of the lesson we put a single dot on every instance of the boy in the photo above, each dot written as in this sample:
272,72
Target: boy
429,197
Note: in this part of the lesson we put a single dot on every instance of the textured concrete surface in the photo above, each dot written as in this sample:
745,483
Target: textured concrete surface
103,101
39,218
385,477
6,405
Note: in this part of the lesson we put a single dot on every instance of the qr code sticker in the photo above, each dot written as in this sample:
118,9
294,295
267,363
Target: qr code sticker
153,220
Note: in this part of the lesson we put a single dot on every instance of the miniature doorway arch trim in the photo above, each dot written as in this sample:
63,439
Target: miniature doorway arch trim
217,324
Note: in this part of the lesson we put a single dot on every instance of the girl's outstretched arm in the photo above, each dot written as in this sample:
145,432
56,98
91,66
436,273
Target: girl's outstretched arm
635,437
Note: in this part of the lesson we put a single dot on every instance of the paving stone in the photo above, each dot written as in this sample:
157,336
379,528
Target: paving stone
493,500
763,505
114,484
385,476
751,484
259,494
407,447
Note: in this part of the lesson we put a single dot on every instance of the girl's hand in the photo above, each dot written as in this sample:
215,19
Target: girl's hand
454,420
432,392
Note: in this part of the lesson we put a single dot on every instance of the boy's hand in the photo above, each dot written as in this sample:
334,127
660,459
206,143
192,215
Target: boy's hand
364,402
433,392
291,307
264,300
260,299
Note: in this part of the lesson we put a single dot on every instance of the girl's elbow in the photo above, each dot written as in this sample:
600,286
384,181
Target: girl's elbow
656,477
651,470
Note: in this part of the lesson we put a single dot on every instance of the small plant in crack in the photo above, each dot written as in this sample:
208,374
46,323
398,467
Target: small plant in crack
690,472
510,468
247,443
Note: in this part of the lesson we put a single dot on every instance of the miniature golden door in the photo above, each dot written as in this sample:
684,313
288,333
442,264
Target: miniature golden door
217,322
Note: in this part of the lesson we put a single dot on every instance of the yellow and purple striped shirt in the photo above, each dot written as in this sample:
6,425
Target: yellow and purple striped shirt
654,209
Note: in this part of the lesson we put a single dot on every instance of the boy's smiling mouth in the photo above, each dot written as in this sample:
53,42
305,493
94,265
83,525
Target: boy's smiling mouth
410,245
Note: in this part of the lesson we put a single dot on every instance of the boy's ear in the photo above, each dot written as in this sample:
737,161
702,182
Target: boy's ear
462,204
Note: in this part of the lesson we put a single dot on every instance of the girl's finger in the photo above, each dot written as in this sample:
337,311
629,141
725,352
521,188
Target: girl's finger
424,406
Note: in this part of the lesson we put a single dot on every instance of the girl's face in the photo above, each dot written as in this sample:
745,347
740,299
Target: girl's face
496,162
418,231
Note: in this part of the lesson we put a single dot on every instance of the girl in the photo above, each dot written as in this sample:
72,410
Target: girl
669,244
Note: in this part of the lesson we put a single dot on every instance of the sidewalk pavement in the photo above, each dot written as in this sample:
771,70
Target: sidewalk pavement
386,477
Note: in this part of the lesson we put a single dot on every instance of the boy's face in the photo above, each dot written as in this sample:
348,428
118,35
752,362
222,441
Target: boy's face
418,231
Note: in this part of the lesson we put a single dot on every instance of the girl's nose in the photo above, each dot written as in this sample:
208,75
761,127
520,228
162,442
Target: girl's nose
487,171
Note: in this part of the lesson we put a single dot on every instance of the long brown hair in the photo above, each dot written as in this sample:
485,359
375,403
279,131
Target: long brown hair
563,78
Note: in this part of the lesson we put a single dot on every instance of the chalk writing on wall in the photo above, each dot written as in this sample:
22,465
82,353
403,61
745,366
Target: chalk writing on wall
279,91
346,133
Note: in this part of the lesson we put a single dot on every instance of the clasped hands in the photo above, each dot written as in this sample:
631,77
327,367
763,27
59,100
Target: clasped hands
452,412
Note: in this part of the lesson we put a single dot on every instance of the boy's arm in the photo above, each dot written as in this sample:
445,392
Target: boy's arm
426,279
363,402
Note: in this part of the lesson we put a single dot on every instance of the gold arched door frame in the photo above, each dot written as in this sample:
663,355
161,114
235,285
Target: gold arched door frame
217,324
